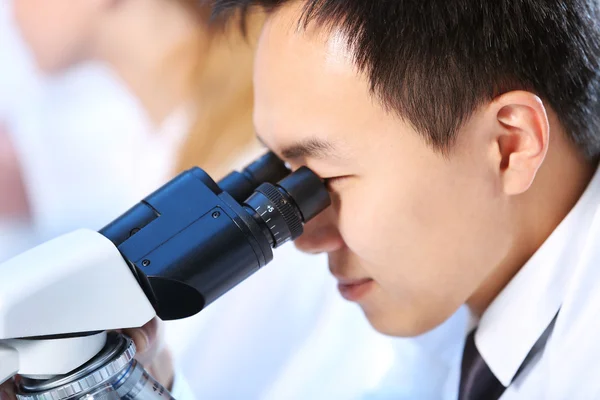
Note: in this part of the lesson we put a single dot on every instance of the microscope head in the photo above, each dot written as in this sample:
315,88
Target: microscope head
170,256
76,283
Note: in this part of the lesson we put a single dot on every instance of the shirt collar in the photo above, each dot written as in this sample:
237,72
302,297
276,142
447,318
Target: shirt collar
518,317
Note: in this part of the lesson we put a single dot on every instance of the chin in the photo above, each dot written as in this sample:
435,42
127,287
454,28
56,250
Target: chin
54,64
47,66
401,324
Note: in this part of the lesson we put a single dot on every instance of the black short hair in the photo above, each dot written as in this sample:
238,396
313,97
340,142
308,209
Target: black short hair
435,61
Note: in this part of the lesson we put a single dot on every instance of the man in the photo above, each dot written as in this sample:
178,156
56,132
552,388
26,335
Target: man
460,142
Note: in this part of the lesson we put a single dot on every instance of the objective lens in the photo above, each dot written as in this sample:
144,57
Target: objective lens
284,208
138,384
113,374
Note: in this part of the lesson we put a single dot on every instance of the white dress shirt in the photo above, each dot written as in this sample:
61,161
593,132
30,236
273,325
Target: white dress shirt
550,314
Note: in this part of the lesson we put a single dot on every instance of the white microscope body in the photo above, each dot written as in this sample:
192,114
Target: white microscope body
76,283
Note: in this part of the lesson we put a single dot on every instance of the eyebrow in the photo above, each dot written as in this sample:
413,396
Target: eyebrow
309,148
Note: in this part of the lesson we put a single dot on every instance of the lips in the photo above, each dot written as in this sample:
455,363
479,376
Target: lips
354,289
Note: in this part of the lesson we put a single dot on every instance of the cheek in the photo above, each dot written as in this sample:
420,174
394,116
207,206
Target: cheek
28,17
53,29
433,229
368,220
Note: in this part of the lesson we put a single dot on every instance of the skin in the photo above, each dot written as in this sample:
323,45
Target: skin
123,34
57,31
423,231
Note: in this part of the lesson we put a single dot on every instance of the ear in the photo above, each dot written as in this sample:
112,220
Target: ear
522,137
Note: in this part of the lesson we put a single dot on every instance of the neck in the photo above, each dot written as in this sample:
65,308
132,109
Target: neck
153,46
538,212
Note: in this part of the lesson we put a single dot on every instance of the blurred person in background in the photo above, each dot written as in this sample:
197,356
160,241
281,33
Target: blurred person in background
284,333
66,146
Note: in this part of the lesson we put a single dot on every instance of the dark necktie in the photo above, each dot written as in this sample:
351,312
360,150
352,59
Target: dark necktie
477,382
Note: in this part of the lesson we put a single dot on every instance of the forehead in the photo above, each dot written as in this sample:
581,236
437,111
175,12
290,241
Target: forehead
306,84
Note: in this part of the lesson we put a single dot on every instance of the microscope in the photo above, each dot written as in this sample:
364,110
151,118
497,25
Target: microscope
169,256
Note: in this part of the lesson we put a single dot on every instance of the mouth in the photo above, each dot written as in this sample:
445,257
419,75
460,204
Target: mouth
354,290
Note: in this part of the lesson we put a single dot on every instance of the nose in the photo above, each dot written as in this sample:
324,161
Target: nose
321,235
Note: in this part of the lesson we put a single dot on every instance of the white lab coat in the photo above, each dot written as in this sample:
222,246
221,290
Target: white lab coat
550,314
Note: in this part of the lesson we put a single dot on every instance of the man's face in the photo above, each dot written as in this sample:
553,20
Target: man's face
412,233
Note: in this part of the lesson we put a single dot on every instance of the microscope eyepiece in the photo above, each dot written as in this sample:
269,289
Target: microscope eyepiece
282,209
268,168
308,192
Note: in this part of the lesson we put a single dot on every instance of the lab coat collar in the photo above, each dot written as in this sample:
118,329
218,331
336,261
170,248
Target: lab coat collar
523,311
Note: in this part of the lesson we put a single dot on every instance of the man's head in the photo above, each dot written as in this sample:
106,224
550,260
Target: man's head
430,121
